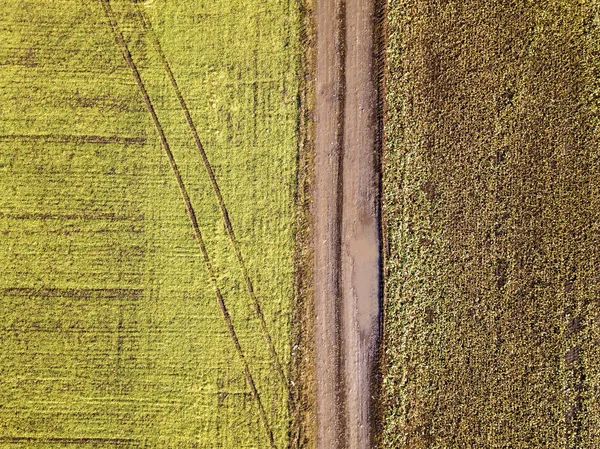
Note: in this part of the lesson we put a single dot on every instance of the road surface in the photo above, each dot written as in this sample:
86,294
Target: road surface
347,249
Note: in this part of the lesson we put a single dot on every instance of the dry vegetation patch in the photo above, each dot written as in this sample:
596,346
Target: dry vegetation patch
492,200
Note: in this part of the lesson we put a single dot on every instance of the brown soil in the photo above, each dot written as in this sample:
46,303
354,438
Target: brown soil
347,274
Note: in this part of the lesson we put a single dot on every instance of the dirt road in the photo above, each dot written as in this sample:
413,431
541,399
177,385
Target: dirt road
347,271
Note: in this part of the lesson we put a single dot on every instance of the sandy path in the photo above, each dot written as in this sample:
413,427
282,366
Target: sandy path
347,223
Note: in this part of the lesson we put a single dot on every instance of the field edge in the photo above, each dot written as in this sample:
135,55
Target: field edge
303,377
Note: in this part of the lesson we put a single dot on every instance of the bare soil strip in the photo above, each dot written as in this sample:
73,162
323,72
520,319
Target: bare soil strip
347,248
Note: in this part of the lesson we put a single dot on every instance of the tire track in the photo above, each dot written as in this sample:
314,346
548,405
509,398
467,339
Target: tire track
360,263
146,25
329,125
189,209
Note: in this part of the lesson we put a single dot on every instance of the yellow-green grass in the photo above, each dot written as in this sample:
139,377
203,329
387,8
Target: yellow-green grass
492,208
111,333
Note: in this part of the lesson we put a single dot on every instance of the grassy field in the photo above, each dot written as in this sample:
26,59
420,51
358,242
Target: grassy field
492,209
111,331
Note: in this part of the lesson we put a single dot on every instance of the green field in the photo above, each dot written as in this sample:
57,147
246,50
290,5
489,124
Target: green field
111,331
492,206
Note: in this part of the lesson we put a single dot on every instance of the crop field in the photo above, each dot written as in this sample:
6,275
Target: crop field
299,224
492,211
146,276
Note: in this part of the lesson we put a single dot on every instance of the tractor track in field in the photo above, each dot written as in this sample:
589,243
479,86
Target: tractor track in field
190,212
347,223
147,26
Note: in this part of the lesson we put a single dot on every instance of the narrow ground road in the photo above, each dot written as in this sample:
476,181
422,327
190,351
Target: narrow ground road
347,223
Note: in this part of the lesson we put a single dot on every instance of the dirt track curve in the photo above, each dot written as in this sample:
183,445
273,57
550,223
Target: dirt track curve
347,247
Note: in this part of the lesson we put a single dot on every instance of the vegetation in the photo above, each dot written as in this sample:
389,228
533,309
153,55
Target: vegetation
491,202
112,332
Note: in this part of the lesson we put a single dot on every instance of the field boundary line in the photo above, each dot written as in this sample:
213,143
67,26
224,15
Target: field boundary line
120,40
215,186
73,138
94,441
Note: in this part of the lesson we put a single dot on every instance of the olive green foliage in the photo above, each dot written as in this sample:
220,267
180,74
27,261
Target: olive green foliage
111,334
492,211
